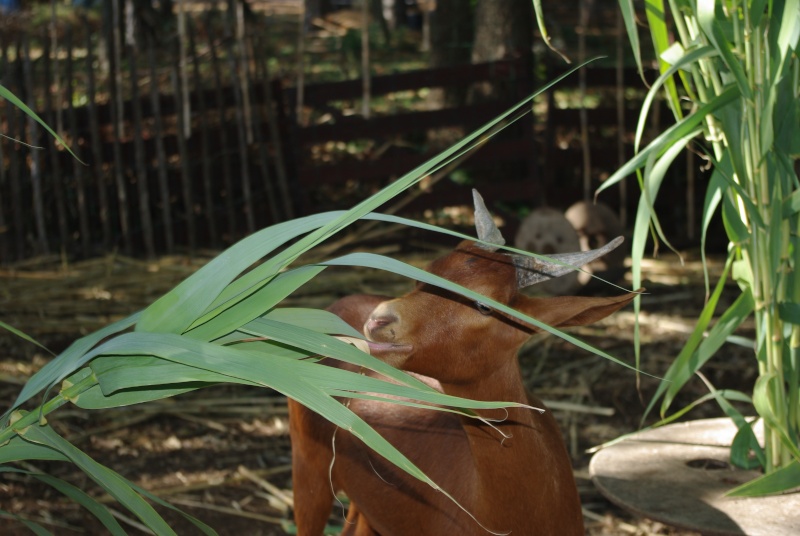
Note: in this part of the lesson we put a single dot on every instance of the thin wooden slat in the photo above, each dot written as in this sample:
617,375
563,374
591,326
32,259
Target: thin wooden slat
186,176
244,164
115,87
161,158
16,123
205,146
264,157
77,167
5,236
244,82
94,131
276,141
42,243
354,128
141,166
223,137
381,170
621,125
54,180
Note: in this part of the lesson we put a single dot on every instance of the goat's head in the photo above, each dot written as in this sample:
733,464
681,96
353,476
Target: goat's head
440,334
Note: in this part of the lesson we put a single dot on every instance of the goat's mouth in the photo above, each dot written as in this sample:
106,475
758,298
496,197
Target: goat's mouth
386,349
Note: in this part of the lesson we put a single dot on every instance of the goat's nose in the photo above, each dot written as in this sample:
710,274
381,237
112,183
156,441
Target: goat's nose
377,322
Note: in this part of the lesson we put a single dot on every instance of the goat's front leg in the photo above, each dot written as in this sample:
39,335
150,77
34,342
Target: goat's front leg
311,459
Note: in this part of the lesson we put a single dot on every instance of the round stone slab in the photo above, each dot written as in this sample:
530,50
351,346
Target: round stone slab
679,474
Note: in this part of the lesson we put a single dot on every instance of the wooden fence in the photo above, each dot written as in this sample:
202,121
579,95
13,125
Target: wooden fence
195,145
172,154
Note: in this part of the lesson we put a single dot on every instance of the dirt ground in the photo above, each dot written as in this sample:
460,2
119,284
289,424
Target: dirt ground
222,454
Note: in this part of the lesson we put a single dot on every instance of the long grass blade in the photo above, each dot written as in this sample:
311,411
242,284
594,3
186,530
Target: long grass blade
9,96
76,495
782,479
68,361
109,480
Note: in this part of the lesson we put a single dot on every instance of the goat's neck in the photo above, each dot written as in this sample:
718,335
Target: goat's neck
503,384
486,443
525,441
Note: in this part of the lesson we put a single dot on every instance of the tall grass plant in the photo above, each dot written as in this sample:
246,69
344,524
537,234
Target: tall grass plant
730,73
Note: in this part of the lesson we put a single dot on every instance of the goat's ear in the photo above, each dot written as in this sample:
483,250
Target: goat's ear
564,311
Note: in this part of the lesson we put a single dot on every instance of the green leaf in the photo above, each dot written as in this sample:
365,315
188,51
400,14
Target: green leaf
629,17
781,480
537,8
789,312
32,526
313,319
680,370
735,228
9,96
745,442
685,365
772,411
17,449
68,361
714,192
681,62
202,361
671,135
179,308
24,336
788,34
705,13
109,480
76,495
225,320
657,21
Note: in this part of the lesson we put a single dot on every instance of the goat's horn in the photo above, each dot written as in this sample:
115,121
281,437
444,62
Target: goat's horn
484,224
531,270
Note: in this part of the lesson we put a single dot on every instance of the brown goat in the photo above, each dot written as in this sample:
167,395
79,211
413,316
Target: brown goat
515,476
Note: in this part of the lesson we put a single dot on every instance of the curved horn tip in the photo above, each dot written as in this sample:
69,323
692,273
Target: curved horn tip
484,224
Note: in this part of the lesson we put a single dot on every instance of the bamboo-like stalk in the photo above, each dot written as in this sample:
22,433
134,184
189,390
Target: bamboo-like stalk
742,66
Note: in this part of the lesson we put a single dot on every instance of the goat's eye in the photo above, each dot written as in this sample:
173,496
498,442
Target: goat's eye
483,308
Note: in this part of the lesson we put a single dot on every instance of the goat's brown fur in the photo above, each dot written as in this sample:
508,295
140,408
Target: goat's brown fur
522,484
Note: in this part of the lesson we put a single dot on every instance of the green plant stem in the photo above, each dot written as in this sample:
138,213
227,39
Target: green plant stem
33,417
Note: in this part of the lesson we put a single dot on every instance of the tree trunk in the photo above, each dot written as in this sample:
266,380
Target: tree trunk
502,29
451,33
450,38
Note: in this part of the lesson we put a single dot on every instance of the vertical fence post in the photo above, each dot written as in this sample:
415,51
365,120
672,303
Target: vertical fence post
276,141
42,244
77,167
621,130
263,151
138,144
5,235
183,156
161,157
54,179
205,146
16,123
223,135
94,132
244,166
116,117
